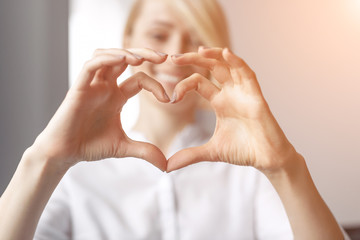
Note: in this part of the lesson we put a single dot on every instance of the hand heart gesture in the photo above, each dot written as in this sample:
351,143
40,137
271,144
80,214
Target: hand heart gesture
87,125
246,132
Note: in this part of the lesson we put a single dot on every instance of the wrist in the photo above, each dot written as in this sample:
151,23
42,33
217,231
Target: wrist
35,158
309,216
293,168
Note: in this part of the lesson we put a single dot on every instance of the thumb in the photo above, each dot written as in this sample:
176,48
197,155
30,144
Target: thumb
187,157
146,151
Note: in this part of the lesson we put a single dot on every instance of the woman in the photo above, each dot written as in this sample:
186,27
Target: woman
130,199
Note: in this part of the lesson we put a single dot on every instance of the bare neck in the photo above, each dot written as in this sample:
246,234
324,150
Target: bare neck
161,125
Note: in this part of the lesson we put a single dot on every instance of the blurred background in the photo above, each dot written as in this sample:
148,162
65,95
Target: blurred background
306,55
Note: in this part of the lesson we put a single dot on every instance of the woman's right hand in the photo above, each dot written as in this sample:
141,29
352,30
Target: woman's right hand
87,125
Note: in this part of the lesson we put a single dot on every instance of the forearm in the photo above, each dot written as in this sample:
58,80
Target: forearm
309,216
25,197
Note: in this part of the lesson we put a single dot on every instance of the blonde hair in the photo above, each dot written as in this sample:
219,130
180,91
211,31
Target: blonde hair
205,16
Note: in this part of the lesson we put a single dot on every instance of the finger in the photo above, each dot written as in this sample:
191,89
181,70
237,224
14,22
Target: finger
115,71
146,151
194,59
139,81
218,69
187,157
198,83
111,73
149,54
135,54
131,58
90,67
143,54
215,53
240,69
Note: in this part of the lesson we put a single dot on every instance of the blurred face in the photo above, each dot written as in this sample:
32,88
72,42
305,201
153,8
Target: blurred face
159,27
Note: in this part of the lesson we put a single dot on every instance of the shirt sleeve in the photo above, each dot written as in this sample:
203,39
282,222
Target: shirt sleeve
55,221
271,221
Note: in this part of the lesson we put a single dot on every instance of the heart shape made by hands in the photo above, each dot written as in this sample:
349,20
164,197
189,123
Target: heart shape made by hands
246,132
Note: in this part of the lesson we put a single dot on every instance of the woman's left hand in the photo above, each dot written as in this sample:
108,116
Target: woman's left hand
246,131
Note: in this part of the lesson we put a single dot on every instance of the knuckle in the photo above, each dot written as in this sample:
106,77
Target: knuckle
253,74
197,76
148,49
200,78
140,75
97,51
240,62
102,63
87,64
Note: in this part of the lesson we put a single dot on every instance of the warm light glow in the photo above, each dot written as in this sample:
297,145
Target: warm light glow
354,10
356,4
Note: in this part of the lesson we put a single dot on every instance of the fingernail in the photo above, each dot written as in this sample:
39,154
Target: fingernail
166,96
173,99
161,54
177,55
204,47
121,56
138,56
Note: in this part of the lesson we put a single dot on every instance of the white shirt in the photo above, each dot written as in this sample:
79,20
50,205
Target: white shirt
131,199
